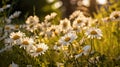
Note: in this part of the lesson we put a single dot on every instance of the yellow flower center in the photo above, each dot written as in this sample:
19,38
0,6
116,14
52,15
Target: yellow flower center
93,32
53,29
116,16
79,21
65,24
39,50
25,43
75,28
7,28
67,39
15,37
16,26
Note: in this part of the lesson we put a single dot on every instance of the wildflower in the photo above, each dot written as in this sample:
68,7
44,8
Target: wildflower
26,41
51,16
79,21
32,20
76,28
65,25
85,51
106,19
33,27
8,28
115,16
76,14
13,65
15,36
53,30
94,33
8,20
8,41
16,27
41,48
31,49
15,15
68,38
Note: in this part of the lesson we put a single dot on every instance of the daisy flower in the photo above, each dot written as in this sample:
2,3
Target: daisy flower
24,42
53,30
8,28
31,49
76,14
68,38
115,16
32,19
94,33
40,49
50,17
65,25
15,36
84,51
79,21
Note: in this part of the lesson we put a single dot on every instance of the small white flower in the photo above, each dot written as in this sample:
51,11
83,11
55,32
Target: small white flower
8,41
8,20
8,28
24,42
94,33
50,17
68,38
85,51
31,49
65,25
115,16
76,14
41,48
15,36
32,20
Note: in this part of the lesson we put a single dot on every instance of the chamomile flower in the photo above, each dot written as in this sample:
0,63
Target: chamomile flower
79,22
50,17
15,36
24,42
68,38
8,20
32,20
84,51
41,48
115,16
8,28
76,14
65,25
31,49
53,30
94,33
